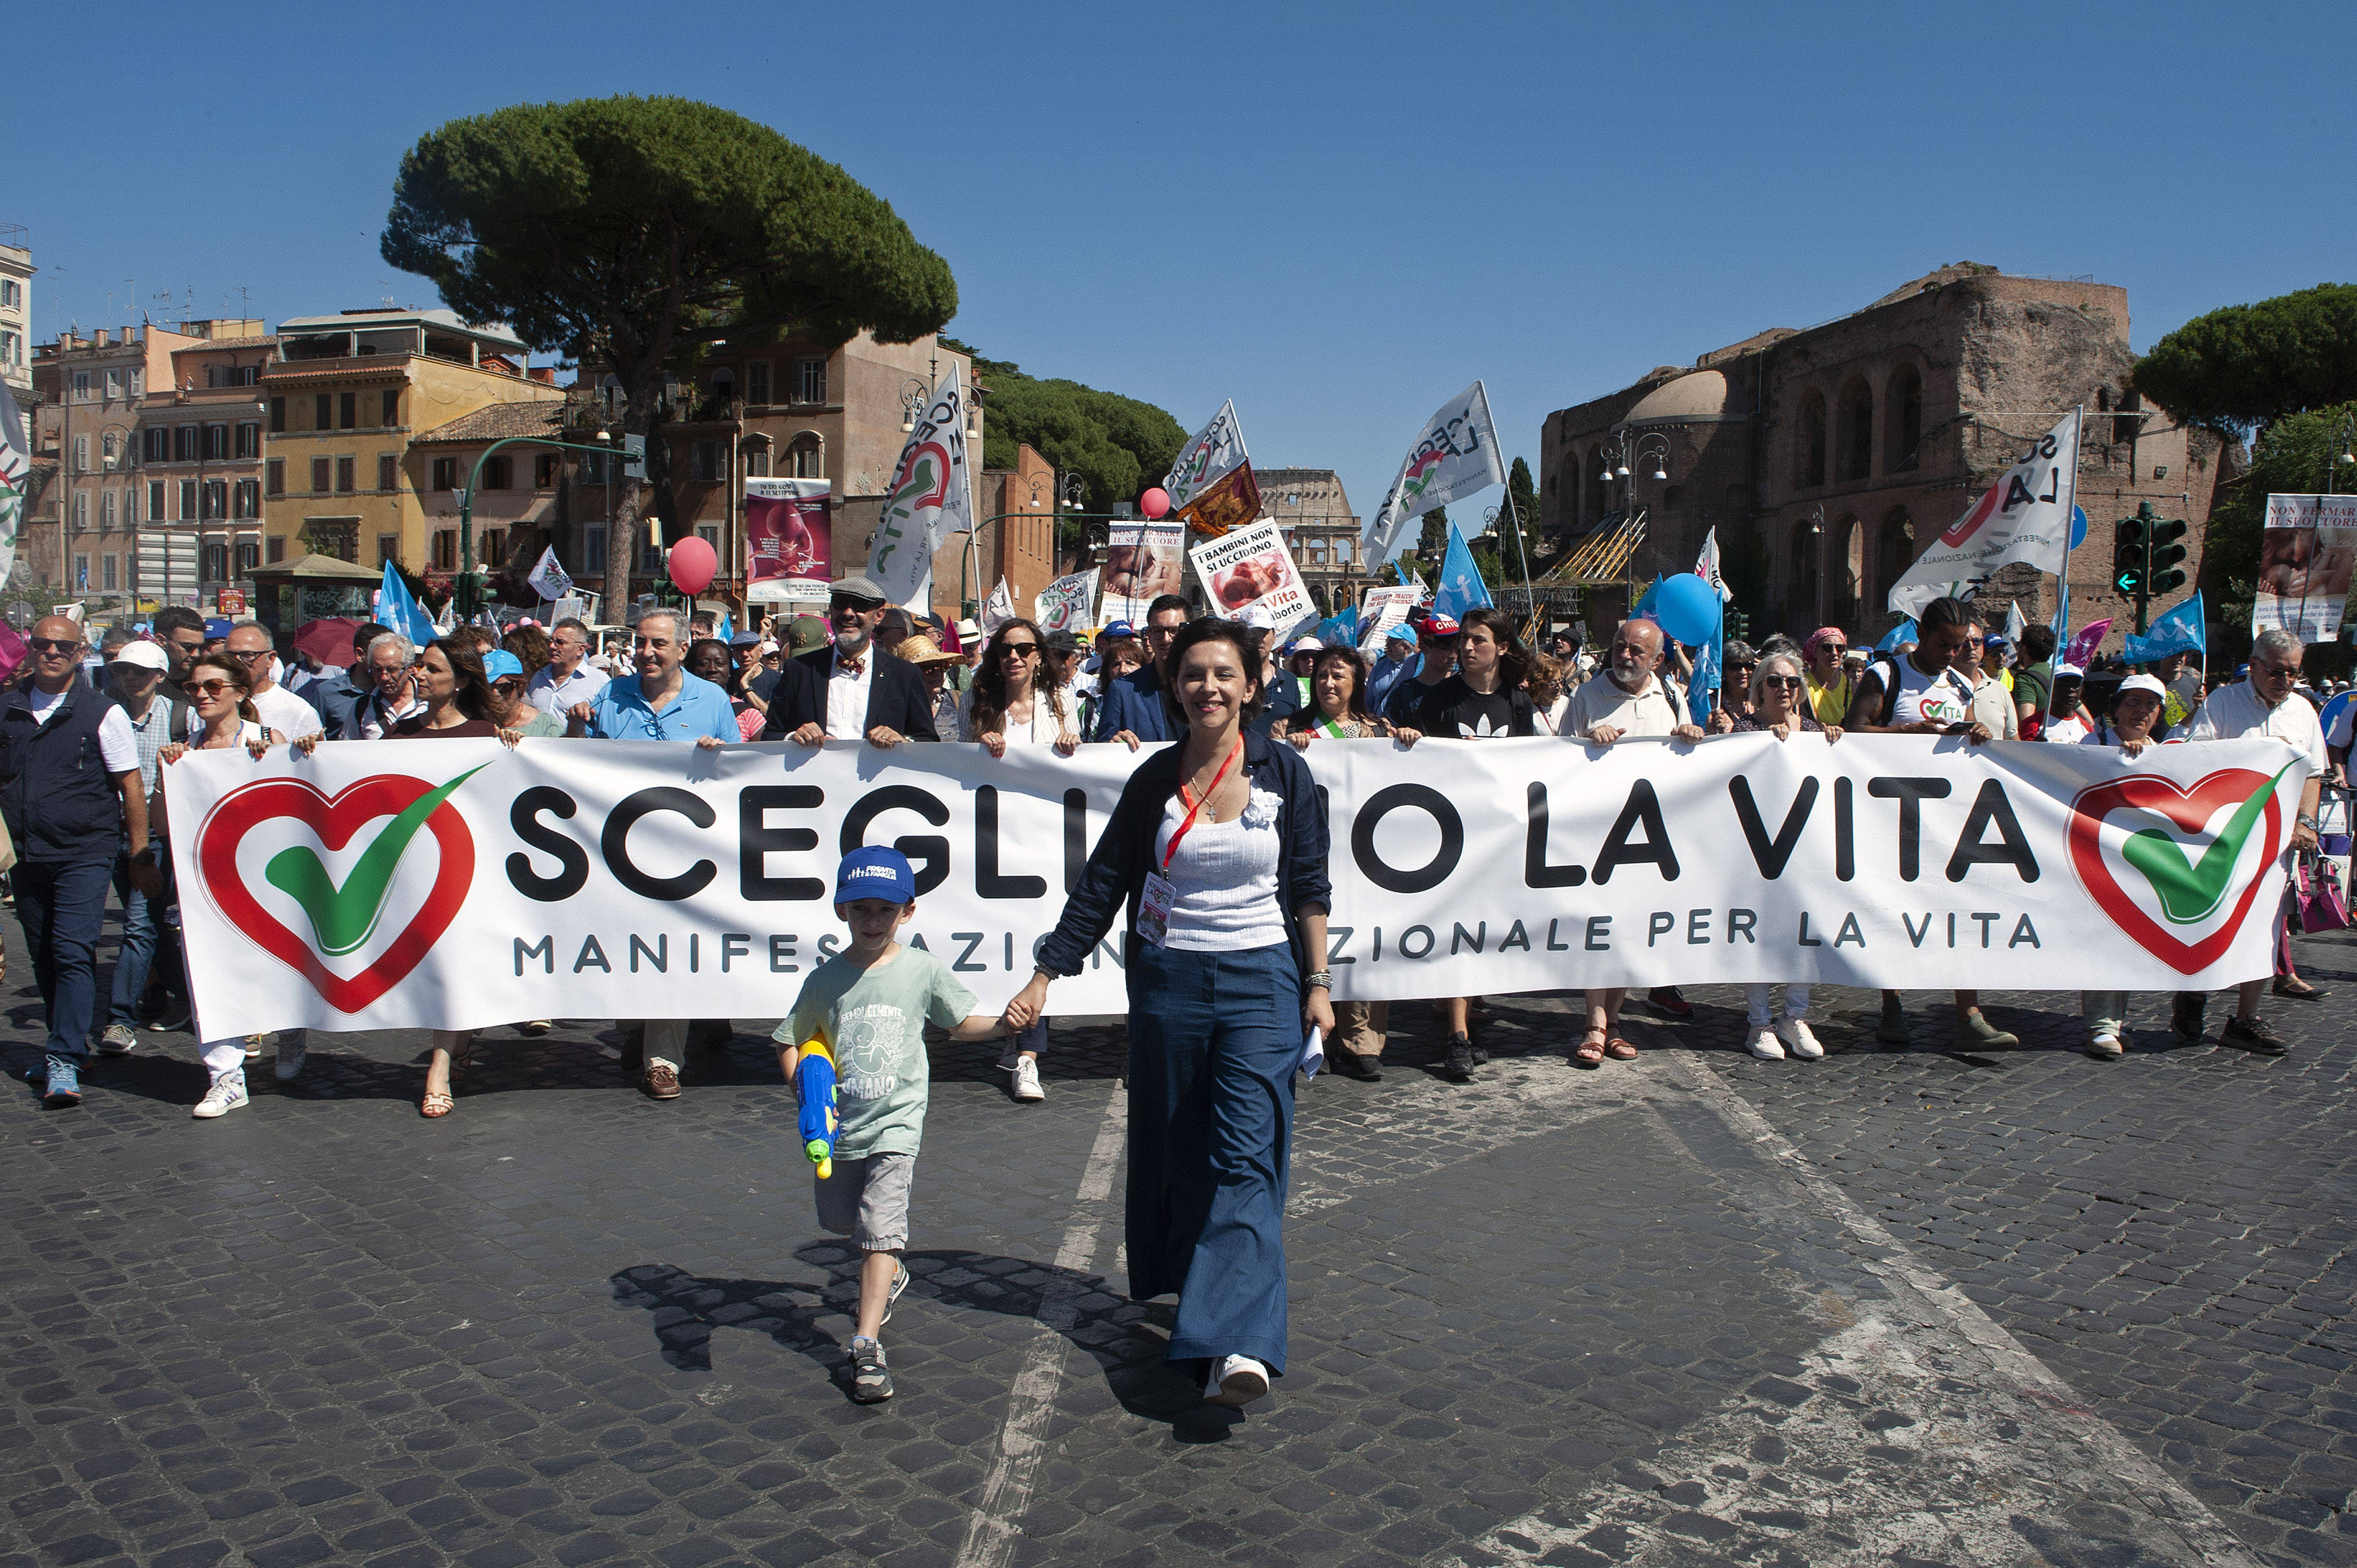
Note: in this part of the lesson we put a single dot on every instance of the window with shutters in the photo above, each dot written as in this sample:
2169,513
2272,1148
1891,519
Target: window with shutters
388,471
757,382
216,499
138,380
810,377
445,476
81,513
249,500
757,462
276,472
593,549
806,458
277,416
347,411
249,556
113,386
184,443
82,455
105,510
388,548
494,554
323,410
249,440
81,571
155,501
347,476
445,550
188,500
82,386
216,443
106,565
322,471
157,441
707,460
496,473
212,565
544,471
274,547
389,406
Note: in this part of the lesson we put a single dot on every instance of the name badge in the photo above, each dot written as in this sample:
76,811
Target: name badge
1153,903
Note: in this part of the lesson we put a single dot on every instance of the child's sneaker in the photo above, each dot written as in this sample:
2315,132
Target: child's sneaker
1235,1381
899,1283
1796,1034
871,1379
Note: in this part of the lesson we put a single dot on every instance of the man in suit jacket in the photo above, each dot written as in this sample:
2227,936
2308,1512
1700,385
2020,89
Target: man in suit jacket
854,688
1133,710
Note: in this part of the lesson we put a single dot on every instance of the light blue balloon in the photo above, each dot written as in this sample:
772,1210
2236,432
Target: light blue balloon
2078,527
1686,607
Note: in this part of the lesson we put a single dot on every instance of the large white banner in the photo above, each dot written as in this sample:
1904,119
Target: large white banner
459,883
1456,456
16,479
2024,515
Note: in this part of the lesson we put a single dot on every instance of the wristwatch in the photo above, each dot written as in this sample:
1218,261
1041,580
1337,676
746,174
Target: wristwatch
2311,824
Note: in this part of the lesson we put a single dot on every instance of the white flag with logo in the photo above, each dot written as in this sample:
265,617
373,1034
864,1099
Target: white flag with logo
1707,567
998,609
932,497
16,479
1456,456
1217,451
548,579
2024,515
2014,625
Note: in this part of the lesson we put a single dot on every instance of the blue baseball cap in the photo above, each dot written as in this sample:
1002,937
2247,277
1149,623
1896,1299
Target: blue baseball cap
498,662
1116,628
875,872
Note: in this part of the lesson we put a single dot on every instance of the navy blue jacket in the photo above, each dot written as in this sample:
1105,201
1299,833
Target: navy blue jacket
1134,703
896,697
1283,701
334,699
60,801
1125,853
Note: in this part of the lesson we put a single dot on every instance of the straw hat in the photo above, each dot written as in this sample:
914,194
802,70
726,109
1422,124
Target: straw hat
920,650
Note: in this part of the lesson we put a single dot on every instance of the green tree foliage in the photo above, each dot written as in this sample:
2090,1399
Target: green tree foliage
2246,365
1118,444
628,232
1433,542
2293,456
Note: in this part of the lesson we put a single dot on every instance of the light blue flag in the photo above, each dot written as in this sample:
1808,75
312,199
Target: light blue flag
1710,660
2061,621
1905,631
2180,630
398,608
1462,587
723,629
1643,607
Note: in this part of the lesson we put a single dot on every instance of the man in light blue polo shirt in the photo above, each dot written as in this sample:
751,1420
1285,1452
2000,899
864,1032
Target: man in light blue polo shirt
661,701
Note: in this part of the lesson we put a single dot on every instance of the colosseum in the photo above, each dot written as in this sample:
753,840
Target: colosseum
1825,456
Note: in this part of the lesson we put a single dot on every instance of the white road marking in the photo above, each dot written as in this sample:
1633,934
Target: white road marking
992,1532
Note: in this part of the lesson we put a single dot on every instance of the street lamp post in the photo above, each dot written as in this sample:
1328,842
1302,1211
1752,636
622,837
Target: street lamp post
1624,450
1068,490
2342,448
467,603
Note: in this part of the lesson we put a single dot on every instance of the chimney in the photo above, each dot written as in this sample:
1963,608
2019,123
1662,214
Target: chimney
545,375
101,338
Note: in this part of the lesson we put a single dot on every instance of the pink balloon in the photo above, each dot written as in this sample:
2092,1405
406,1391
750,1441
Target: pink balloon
1155,502
694,563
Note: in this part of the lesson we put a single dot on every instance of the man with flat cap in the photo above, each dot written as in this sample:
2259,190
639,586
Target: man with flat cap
854,688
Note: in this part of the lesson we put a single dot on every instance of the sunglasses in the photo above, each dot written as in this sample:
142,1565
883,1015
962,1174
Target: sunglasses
51,644
1019,649
843,602
250,654
208,690
1790,683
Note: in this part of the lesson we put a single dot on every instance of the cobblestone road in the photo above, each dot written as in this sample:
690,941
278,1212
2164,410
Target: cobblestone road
1908,1307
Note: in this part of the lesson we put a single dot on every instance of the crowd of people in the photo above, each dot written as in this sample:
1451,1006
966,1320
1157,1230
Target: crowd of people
1215,856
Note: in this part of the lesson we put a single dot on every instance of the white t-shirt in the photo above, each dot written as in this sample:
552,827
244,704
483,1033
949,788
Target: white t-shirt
2062,730
847,698
2230,712
118,747
287,713
1941,696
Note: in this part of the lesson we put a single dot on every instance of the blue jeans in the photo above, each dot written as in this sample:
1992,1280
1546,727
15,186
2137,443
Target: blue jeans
1213,1040
137,953
61,904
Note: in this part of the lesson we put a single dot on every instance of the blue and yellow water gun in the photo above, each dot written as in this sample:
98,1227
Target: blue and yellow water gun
815,1085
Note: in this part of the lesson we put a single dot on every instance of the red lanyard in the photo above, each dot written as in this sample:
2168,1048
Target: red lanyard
1195,804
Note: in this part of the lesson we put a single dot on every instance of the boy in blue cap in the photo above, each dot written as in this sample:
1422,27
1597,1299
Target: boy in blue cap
871,1003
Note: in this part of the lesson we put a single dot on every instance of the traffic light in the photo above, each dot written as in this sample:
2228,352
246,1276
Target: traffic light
2131,547
1739,625
2161,573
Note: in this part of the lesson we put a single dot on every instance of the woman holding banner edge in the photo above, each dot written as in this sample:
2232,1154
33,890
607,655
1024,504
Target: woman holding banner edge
1217,853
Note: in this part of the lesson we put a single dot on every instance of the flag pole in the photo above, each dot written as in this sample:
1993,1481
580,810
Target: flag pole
2062,580
1530,597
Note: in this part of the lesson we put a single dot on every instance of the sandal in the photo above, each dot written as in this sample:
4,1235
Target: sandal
1619,1050
434,1105
1590,1053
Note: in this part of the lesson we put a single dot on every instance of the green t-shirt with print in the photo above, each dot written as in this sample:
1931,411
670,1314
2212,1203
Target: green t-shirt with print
874,1020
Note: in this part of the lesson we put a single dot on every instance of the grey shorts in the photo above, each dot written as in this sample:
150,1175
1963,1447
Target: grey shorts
867,1200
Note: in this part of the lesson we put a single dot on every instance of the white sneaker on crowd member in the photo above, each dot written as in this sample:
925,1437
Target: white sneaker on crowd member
1796,1034
1764,1044
1235,1381
226,1095
2105,1047
1027,1079
292,1050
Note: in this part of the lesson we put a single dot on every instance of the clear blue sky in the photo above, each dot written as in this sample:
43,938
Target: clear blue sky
1335,215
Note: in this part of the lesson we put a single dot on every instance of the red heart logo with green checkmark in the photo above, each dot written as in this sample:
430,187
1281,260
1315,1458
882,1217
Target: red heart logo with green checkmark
343,918
2189,891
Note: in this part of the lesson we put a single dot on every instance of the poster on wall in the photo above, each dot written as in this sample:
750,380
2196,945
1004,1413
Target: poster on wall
1251,565
2304,557
788,540
1143,562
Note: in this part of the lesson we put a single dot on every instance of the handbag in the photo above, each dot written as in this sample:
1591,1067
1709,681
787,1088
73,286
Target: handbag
2320,904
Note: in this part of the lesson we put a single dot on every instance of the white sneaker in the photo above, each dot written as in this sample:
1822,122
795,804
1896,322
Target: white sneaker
1764,1045
1235,1381
1027,1079
1794,1032
290,1058
226,1095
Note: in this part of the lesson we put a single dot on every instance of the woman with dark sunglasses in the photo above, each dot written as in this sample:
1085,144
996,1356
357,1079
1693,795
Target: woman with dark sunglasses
1779,706
1734,688
1018,694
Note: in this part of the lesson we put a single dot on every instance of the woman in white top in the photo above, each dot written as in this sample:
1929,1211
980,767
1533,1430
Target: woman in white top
1018,695
222,693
